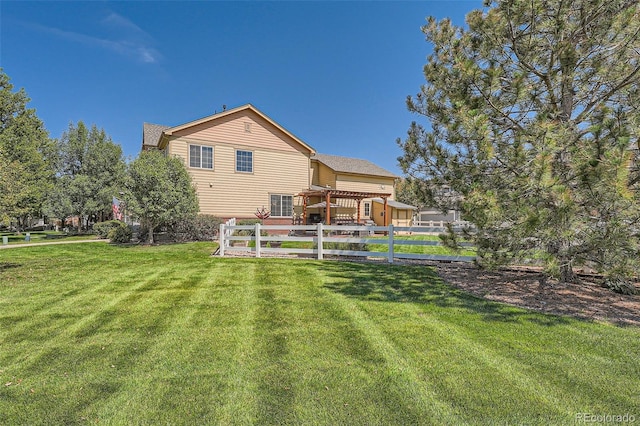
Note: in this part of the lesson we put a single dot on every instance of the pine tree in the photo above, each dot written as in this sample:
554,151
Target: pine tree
534,124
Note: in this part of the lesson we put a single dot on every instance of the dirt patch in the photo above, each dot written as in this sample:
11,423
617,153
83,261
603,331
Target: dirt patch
524,288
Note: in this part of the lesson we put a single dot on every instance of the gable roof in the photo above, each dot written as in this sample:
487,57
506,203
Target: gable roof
151,134
352,165
169,131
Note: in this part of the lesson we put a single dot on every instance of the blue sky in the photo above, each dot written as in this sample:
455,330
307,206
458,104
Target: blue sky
335,74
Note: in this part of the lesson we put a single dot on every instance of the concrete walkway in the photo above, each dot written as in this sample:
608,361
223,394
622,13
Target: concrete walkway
49,243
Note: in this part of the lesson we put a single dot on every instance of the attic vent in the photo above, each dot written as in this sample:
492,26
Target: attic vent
247,127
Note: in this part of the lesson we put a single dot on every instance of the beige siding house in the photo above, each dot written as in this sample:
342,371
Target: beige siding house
240,160
358,175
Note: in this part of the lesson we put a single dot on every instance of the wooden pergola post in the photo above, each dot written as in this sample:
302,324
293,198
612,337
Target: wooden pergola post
328,208
305,201
386,212
358,211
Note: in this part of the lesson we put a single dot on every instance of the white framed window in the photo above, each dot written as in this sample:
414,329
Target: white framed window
367,209
244,161
201,157
281,205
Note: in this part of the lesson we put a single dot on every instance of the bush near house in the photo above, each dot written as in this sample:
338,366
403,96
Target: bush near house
248,232
197,228
102,229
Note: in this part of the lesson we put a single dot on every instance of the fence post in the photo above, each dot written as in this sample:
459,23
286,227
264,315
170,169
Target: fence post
222,239
391,248
320,243
257,240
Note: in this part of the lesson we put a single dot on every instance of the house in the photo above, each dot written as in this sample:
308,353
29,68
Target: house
240,160
365,183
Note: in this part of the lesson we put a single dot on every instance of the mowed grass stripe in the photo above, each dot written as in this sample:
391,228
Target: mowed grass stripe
201,340
186,376
86,352
450,360
59,303
238,404
415,400
318,341
73,328
473,350
138,315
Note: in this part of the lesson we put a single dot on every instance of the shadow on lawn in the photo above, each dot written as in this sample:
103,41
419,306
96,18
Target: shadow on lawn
420,284
8,265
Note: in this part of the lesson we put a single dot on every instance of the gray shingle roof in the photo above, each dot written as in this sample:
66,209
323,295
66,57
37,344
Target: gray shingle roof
151,134
352,165
395,204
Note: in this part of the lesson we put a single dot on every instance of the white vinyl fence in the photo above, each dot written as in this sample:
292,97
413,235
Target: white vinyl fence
227,231
438,224
321,235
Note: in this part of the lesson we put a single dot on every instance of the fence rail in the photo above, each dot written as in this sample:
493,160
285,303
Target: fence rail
321,236
440,224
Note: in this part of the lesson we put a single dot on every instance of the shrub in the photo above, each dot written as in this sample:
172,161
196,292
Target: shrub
198,228
620,285
207,227
121,234
248,232
346,246
102,229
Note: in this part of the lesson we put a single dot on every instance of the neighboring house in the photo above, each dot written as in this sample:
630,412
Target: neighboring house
240,160
435,215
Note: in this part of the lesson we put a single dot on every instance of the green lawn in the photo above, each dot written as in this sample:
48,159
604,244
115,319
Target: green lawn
417,249
42,236
95,333
399,248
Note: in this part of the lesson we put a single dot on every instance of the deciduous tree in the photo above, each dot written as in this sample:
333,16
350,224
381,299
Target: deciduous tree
91,170
160,190
533,121
27,154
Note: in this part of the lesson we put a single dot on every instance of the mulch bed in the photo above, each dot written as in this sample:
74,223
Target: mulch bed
521,287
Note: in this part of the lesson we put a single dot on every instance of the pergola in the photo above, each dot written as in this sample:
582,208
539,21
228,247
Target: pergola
328,193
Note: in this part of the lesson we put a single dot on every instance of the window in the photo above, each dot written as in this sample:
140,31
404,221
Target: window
247,127
367,209
281,205
244,161
201,157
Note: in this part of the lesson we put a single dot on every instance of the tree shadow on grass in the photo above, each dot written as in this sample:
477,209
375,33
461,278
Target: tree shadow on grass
8,265
421,285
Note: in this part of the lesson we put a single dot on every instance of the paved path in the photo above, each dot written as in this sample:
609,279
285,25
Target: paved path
48,243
